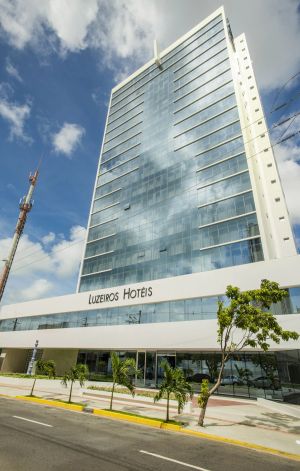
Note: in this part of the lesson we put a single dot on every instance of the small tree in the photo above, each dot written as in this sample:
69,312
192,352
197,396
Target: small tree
45,368
76,373
123,372
246,322
173,382
203,394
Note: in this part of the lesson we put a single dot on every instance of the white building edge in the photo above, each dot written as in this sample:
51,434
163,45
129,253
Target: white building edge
281,264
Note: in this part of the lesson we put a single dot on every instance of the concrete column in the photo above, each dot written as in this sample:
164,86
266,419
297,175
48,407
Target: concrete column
14,360
63,359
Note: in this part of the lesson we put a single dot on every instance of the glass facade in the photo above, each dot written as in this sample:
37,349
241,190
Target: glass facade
268,375
169,311
173,195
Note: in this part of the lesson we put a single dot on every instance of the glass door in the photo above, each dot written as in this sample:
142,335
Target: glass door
141,365
150,374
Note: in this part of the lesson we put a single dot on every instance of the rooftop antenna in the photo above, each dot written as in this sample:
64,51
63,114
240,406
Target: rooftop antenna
156,54
25,206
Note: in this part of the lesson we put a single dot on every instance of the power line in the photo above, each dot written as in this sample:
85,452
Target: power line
279,92
48,255
288,127
288,102
41,248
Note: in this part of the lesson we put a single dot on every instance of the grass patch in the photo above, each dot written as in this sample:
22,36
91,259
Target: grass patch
24,375
150,394
99,377
175,422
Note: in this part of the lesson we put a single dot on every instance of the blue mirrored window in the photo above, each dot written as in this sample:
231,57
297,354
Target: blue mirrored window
173,170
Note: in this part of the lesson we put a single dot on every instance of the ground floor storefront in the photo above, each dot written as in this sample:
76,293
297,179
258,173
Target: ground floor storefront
273,375
173,319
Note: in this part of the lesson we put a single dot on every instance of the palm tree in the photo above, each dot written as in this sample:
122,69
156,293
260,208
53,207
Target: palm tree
76,373
173,382
123,372
184,390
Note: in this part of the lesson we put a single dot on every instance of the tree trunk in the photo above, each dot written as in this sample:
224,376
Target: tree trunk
70,396
202,415
168,400
31,394
217,385
112,395
211,391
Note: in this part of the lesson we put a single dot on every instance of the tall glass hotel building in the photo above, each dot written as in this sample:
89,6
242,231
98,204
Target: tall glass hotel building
187,200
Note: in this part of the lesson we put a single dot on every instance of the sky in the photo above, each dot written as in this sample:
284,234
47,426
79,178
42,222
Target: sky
59,60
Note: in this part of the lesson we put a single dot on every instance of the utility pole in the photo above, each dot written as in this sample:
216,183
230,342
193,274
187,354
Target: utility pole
25,206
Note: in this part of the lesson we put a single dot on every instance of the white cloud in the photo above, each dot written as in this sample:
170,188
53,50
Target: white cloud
70,21
67,253
124,29
13,71
67,138
273,43
287,156
67,19
40,271
18,23
15,115
38,289
49,238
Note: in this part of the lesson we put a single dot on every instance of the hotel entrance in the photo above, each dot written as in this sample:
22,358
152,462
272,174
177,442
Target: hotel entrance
140,380
146,363
150,366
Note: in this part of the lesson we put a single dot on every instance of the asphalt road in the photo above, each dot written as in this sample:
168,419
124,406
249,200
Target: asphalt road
42,438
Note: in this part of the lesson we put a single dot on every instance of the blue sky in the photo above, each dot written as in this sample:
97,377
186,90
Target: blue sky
59,61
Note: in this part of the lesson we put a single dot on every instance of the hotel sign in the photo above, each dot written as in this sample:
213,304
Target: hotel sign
125,294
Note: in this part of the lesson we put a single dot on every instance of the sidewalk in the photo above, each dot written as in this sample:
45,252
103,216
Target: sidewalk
229,418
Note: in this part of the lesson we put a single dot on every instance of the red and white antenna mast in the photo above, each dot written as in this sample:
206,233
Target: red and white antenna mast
25,206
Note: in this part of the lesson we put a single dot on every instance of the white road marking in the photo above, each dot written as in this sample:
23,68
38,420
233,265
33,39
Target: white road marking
174,461
33,421
298,442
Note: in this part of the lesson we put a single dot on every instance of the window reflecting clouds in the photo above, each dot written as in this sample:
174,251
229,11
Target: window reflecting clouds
173,161
171,311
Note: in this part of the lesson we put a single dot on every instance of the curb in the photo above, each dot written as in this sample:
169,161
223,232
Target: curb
48,402
178,428
138,420
164,426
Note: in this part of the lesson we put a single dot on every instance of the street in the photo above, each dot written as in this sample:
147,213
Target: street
37,437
